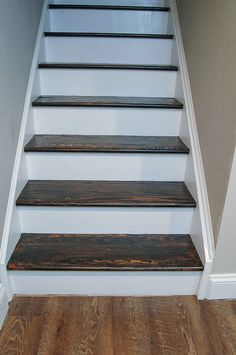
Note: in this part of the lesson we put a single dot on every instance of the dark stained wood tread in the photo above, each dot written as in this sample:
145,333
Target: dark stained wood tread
109,34
75,193
105,143
105,252
108,7
58,65
108,101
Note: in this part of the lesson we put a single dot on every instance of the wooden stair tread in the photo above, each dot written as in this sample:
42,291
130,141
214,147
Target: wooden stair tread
105,252
108,101
109,34
62,65
109,7
105,143
72,193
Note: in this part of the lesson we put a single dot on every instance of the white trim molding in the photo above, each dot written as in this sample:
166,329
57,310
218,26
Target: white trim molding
221,286
208,247
10,232
3,304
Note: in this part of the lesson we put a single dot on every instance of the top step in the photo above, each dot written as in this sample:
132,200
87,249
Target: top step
109,7
108,34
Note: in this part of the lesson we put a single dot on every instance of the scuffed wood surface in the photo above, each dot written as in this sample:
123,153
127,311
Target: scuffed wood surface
107,101
114,252
105,193
106,143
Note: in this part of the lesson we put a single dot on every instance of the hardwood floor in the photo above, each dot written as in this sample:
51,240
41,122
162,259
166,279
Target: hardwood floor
119,326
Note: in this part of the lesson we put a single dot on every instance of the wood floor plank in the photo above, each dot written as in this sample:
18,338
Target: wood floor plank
149,327
109,34
95,321
12,335
119,325
107,101
133,336
220,320
105,194
191,324
105,252
113,66
106,143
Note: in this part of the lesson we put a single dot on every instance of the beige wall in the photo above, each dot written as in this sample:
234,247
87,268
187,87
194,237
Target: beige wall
209,35
19,20
224,261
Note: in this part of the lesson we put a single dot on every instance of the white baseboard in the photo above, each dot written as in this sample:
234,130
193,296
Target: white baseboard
222,286
3,305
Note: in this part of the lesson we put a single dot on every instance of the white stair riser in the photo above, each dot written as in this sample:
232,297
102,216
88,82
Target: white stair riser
105,283
108,82
105,220
120,121
110,166
108,50
108,21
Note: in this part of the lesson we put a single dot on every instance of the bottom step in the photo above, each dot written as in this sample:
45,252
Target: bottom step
113,252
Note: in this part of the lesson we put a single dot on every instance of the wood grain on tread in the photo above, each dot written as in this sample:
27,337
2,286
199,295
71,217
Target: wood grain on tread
114,252
109,34
105,143
108,7
105,193
108,101
62,65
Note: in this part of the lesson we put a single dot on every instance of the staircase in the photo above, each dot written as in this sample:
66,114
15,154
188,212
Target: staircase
105,208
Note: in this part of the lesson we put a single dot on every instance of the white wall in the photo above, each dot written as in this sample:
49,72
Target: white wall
3,304
19,20
225,259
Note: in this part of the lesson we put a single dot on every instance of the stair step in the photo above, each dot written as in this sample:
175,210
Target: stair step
61,65
108,101
105,193
108,34
104,143
114,252
109,7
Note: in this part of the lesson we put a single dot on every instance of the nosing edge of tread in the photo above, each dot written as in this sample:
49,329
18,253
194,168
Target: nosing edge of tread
107,7
109,34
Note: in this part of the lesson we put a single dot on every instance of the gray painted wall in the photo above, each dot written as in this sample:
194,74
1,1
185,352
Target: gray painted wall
19,21
224,260
208,29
